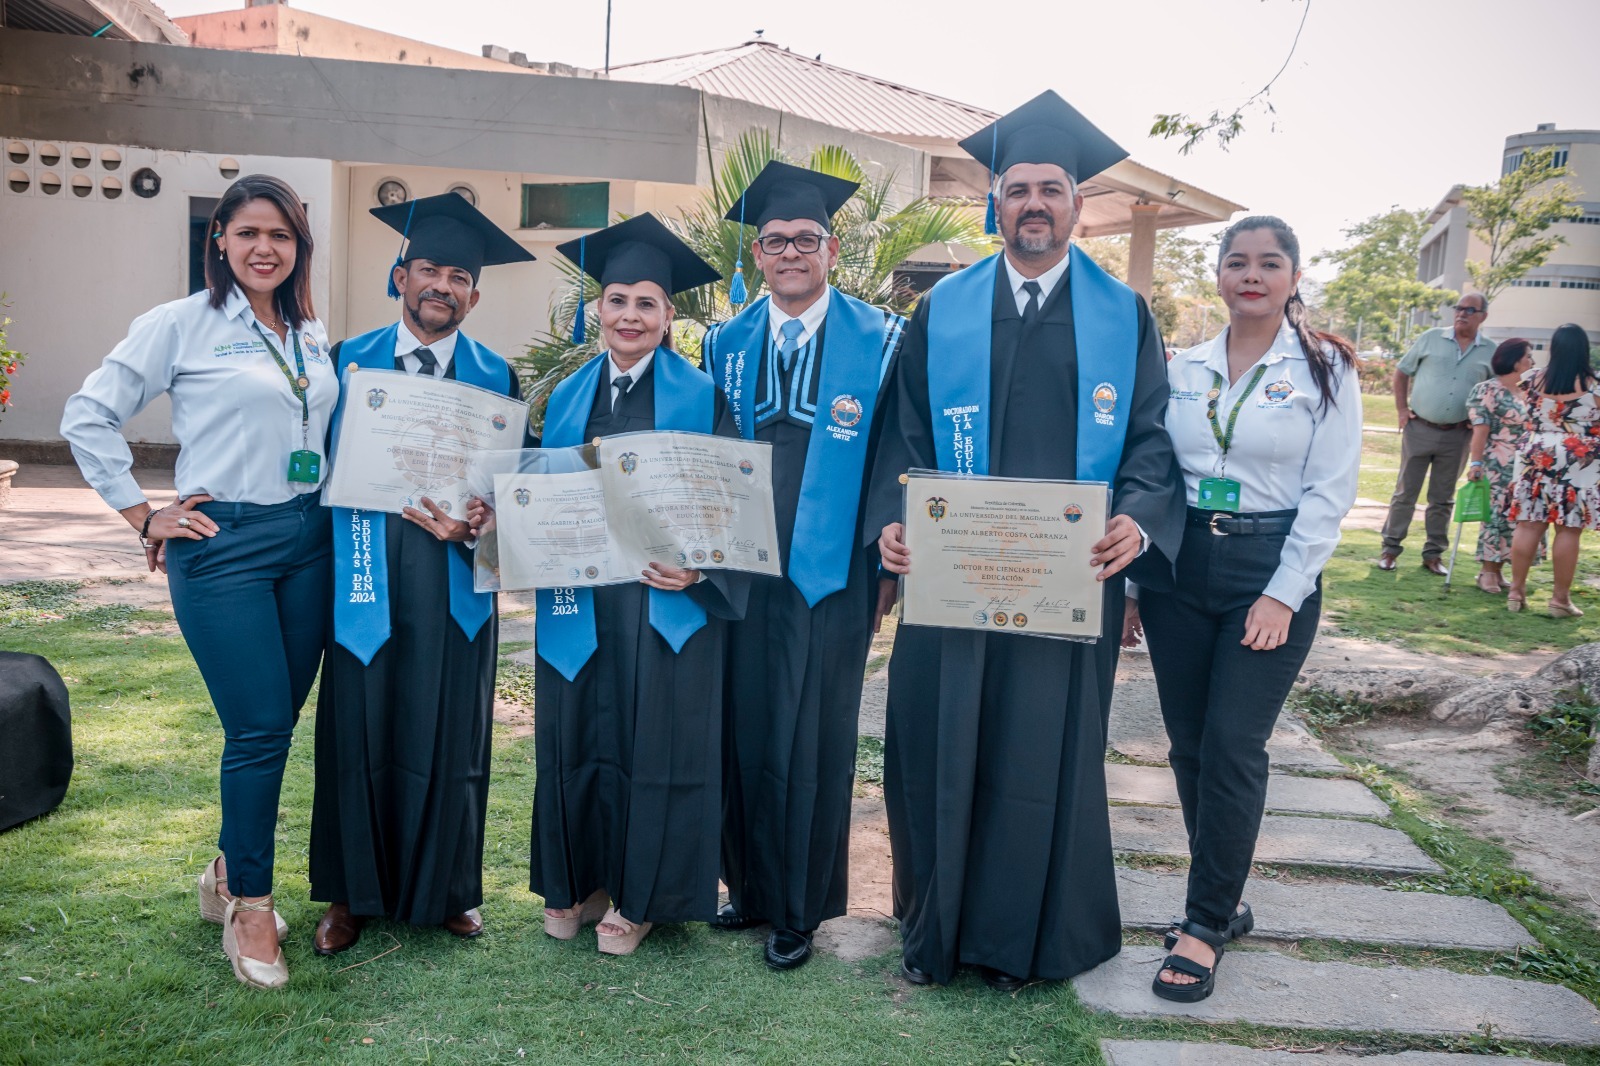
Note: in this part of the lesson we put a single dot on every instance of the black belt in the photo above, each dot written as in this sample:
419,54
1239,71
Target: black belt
1445,426
1228,524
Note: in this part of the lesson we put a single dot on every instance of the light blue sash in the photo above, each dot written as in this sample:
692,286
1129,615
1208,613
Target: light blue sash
360,561
1105,324
564,632
836,456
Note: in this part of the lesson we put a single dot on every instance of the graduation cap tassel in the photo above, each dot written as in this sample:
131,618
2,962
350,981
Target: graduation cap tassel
737,294
399,260
578,330
990,225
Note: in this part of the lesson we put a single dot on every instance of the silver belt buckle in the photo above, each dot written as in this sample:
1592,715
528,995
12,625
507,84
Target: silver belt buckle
1217,516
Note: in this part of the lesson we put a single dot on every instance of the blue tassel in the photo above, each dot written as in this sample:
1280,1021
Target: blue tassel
736,289
394,293
399,257
989,226
578,324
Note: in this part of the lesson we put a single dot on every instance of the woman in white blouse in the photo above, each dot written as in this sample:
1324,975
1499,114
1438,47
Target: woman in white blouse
1266,422
246,547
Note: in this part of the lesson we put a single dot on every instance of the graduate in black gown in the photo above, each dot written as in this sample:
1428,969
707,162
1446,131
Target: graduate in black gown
628,715
994,765
803,370
405,712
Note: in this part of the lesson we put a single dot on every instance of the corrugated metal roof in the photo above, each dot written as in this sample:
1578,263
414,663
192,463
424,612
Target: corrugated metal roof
763,73
121,20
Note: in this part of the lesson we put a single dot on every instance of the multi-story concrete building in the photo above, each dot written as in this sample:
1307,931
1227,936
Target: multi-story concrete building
1567,287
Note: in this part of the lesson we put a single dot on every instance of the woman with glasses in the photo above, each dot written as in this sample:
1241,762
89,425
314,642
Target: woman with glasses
1498,411
246,549
1559,463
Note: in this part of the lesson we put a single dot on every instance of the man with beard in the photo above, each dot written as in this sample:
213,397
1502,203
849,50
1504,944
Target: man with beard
1030,364
405,709
803,370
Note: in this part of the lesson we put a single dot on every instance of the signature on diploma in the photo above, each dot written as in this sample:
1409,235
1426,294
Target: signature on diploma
740,545
1003,603
1051,605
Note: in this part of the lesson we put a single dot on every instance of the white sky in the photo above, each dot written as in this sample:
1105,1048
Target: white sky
1385,102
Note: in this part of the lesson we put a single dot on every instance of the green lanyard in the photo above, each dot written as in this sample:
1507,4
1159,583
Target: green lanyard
1225,440
299,384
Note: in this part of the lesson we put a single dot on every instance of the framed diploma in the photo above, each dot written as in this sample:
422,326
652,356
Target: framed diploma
599,515
403,437
1004,555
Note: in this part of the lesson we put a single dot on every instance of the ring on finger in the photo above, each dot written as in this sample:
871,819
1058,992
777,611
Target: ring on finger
184,523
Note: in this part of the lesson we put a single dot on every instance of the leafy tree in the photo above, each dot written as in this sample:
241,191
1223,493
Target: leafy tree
1513,217
875,236
1183,285
1376,288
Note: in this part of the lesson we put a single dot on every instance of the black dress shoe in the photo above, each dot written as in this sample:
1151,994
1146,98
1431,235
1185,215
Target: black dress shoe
788,948
729,920
999,980
914,975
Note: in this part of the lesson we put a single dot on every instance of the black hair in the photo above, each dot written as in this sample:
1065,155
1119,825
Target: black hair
293,295
1508,355
1314,342
1568,369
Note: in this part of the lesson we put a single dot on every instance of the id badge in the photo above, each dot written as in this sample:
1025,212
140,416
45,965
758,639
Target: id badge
1218,494
305,466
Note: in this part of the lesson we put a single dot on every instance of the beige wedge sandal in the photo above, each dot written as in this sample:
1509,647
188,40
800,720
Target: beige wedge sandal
253,972
589,911
214,905
621,943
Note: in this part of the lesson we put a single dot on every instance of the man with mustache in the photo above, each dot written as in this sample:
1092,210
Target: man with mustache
406,705
1030,364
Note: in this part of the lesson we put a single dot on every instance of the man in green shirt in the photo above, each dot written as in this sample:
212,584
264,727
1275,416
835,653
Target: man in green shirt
1431,384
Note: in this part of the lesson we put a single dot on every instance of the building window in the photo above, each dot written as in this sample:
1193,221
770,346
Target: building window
1560,158
200,208
1512,162
1531,283
579,206
1591,285
1587,220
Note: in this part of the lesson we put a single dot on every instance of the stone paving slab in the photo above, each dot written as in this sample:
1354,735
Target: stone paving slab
1284,839
1175,1053
1154,785
1266,988
1138,733
1361,913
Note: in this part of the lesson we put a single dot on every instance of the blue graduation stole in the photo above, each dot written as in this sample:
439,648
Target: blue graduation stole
836,456
564,632
360,561
1105,324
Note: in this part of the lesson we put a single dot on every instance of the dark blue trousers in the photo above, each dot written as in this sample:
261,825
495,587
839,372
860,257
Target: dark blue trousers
252,603
1220,700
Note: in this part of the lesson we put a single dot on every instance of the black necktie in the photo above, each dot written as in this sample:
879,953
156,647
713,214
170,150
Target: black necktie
622,383
1030,310
430,364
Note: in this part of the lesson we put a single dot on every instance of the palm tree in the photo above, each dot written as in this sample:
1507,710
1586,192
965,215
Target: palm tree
874,237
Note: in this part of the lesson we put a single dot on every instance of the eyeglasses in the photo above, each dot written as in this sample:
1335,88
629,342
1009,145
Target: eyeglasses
1460,310
804,243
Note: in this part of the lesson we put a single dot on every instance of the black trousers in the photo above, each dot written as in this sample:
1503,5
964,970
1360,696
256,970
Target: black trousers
1220,700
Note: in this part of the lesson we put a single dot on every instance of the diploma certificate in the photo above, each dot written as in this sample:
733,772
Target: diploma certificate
1004,555
406,436
685,500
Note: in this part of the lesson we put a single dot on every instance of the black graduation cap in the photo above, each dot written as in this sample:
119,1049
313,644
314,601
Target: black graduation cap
640,249
451,232
1046,129
790,192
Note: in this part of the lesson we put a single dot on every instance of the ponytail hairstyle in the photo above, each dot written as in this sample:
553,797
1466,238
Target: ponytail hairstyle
1315,343
293,296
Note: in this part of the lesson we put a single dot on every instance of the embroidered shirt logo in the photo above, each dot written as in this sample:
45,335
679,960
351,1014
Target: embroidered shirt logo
846,411
1279,391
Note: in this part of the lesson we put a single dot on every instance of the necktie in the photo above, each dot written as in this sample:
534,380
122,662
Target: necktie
791,342
430,365
1030,310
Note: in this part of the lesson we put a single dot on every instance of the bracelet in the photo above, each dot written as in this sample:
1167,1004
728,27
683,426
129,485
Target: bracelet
1476,462
144,530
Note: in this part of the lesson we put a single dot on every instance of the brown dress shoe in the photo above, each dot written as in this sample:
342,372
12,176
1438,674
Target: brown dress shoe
1435,567
466,925
1386,561
337,931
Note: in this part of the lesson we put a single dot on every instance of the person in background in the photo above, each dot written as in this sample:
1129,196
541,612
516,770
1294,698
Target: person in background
1431,384
246,548
1265,419
1559,469
1498,411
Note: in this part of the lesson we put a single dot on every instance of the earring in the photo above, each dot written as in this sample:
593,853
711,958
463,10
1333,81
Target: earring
221,255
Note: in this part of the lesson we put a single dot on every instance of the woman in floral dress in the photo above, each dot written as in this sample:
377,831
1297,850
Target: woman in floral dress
1558,480
1498,411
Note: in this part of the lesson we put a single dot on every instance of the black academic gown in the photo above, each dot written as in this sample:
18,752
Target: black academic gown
628,795
794,693
994,776
402,746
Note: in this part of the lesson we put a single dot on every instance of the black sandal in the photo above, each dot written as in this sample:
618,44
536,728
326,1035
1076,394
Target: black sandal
1240,925
1205,976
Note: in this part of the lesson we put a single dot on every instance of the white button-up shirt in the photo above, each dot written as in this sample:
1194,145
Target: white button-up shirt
406,343
233,412
1047,282
1287,450
810,319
